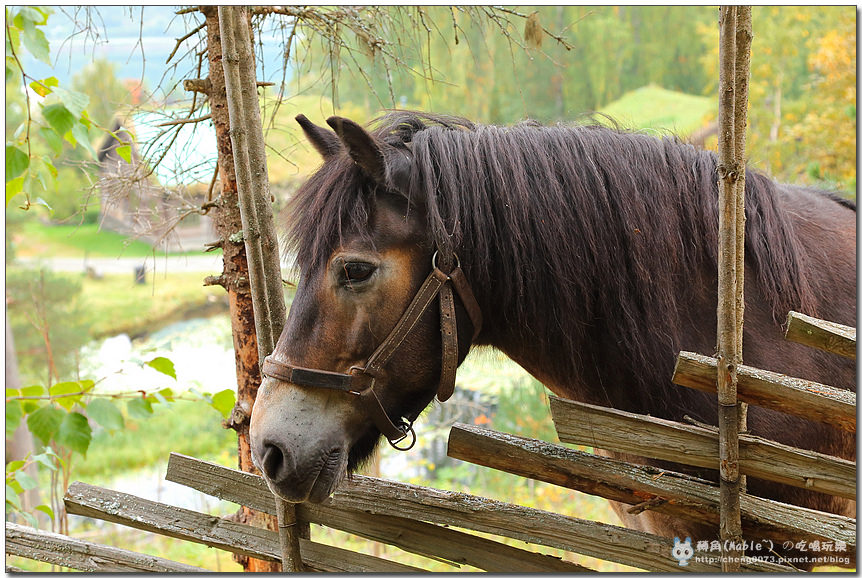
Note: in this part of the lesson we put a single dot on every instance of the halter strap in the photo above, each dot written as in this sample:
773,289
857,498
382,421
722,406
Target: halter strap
360,380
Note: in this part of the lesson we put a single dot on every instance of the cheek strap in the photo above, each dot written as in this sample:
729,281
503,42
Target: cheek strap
360,381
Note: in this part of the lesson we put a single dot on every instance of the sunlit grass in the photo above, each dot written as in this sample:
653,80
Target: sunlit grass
34,239
186,427
116,304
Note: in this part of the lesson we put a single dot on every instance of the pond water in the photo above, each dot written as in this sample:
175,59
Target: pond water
201,350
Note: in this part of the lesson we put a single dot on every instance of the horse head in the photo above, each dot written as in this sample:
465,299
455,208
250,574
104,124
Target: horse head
381,318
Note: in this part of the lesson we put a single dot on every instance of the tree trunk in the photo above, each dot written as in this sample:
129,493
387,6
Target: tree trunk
235,279
734,43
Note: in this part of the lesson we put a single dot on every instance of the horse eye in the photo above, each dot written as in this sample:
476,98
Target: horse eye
356,272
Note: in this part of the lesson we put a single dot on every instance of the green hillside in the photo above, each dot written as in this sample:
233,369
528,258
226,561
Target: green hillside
653,107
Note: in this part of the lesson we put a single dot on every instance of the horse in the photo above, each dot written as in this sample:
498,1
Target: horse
585,253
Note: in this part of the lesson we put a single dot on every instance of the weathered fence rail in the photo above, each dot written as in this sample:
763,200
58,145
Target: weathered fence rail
78,554
383,499
799,397
408,534
387,498
135,512
650,437
825,335
644,487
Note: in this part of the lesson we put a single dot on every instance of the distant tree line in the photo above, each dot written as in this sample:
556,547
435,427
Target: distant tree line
802,99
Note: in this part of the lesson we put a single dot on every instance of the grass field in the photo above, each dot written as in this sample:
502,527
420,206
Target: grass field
116,304
33,239
655,108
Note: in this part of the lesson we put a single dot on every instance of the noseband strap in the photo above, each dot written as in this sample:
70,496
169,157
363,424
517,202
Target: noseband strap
360,381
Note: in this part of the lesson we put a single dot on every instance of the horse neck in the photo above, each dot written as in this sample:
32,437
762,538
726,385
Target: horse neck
592,366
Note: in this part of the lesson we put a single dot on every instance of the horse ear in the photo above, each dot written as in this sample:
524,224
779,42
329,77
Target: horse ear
381,161
325,141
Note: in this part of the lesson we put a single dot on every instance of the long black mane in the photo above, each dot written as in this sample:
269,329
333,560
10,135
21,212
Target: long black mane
577,228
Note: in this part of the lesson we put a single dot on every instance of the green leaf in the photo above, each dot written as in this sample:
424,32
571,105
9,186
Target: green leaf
14,188
45,422
50,136
82,136
163,365
13,483
46,460
75,433
64,389
34,14
165,396
12,497
139,408
45,86
106,414
26,481
59,117
42,202
74,101
46,510
15,465
17,161
14,413
33,391
223,402
31,405
125,153
34,40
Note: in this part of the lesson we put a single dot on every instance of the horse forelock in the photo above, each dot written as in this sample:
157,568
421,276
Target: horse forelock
567,224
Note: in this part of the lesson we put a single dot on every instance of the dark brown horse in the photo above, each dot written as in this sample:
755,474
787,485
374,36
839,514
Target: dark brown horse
591,253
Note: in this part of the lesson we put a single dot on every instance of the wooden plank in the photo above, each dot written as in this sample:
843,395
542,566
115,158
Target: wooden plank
388,498
410,535
806,399
128,510
324,558
603,541
620,431
81,555
648,487
825,335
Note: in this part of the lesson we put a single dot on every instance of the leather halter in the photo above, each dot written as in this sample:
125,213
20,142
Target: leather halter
360,381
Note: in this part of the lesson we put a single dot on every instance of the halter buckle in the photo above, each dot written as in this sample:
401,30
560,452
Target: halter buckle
357,370
434,260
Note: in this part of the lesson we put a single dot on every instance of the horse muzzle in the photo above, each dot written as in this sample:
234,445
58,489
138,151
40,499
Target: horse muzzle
302,458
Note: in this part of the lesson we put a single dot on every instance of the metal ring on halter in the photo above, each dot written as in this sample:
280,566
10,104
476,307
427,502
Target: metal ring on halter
412,442
434,260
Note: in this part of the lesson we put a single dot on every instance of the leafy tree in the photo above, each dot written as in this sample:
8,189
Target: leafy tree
828,130
107,94
53,115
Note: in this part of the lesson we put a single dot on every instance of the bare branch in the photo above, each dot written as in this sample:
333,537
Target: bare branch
185,121
185,37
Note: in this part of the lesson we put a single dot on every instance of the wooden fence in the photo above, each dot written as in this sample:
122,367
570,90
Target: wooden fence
441,524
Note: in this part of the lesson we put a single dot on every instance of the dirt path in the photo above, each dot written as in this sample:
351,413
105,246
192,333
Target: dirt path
107,265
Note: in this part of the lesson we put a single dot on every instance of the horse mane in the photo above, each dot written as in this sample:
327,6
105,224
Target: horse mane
599,224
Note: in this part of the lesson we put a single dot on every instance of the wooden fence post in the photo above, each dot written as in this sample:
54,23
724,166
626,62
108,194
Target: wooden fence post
257,219
735,38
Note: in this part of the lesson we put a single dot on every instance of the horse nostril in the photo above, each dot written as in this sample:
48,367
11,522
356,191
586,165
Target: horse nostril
273,462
